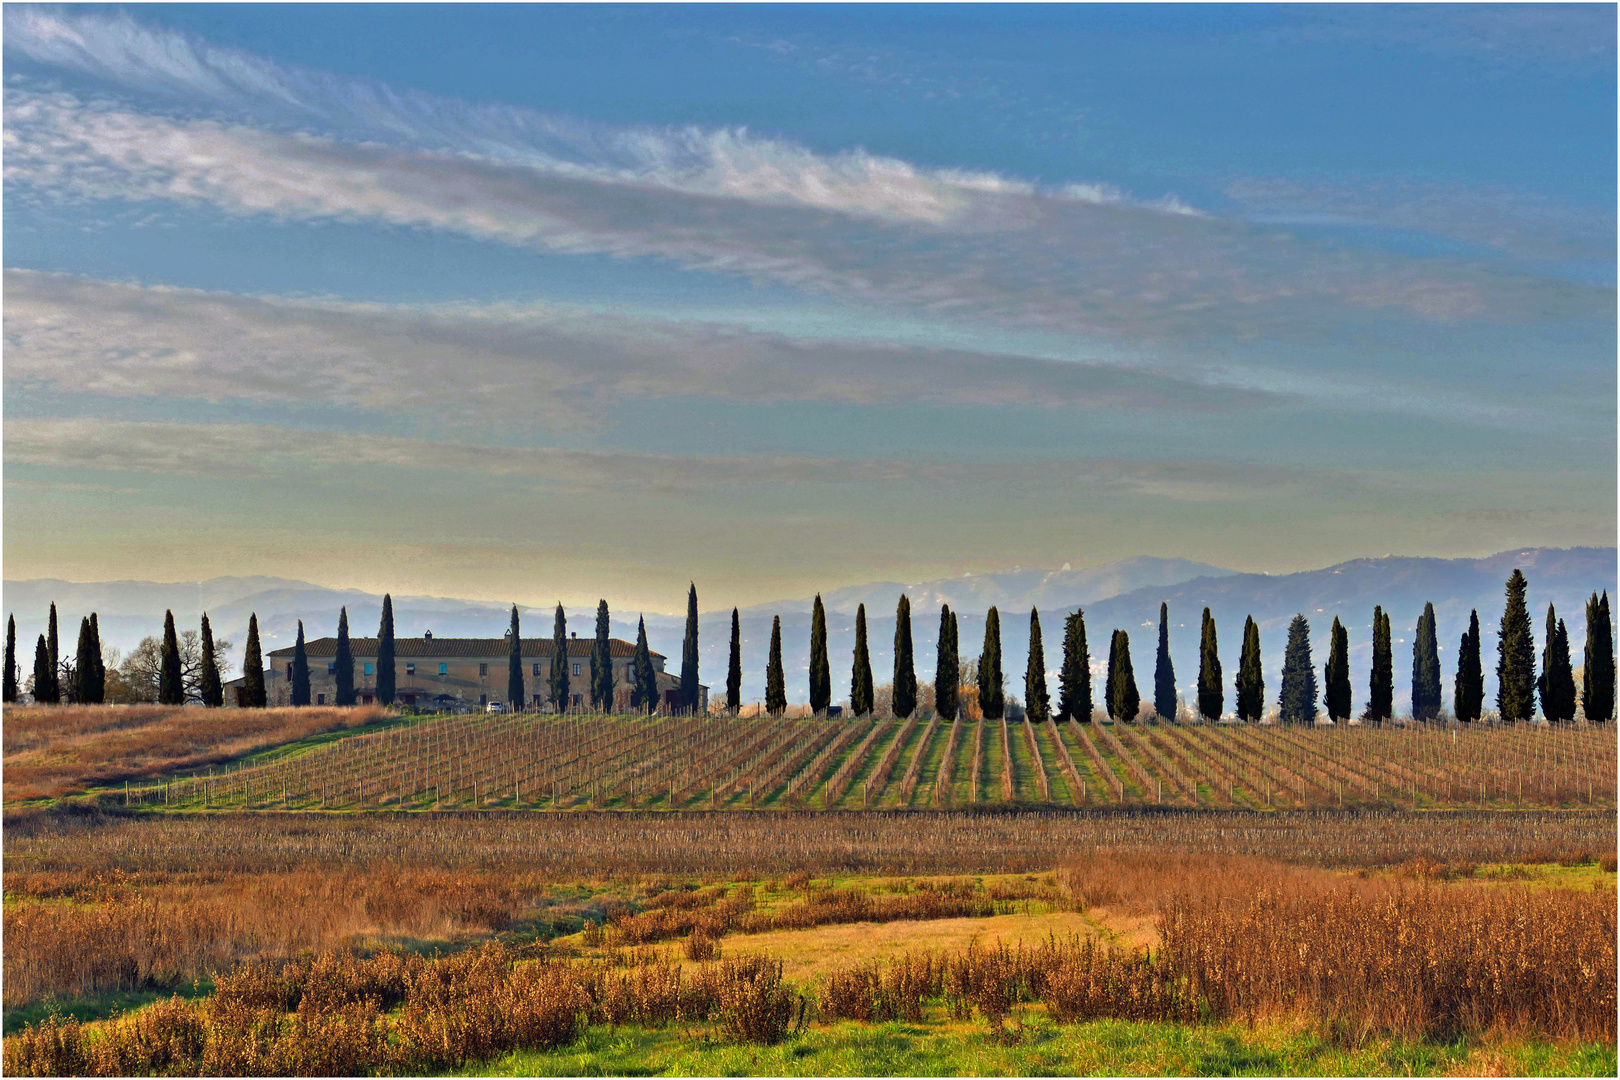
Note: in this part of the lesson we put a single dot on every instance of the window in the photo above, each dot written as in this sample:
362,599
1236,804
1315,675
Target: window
482,699
289,673
320,699
443,668
368,669
576,669
483,669
410,669
331,668
576,696
537,671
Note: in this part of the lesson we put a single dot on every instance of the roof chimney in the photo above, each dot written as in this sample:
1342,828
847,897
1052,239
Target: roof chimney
573,635
427,636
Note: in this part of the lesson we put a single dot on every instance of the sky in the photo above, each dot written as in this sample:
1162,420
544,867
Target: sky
533,303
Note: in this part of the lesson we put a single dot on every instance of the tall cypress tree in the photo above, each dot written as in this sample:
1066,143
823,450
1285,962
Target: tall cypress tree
1425,668
170,690
1516,656
992,695
1468,690
1298,697
1037,703
300,679
1557,682
10,659
860,676
602,662
42,668
1249,683
1381,686
101,661
775,682
1164,672
820,669
1124,701
1336,674
84,666
1074,677
385,658
209,686
253,667
689,654
514,659
343,673
644,686
734,672
905,668
1597,678
1211,694
559,661
946,675
53,684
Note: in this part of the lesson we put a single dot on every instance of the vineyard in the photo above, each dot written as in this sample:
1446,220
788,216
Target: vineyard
535,762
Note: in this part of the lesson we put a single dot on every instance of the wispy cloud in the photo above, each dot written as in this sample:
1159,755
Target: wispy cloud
1075,257
258,451
560,365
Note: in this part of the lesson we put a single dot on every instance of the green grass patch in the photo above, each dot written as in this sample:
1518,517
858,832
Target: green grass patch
1040,1048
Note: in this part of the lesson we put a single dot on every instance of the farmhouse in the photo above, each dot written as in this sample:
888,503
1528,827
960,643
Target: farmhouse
462,672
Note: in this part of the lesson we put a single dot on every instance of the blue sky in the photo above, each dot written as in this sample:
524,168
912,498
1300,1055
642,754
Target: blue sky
535,303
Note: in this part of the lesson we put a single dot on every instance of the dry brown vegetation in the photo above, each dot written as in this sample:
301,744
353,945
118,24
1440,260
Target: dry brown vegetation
61,749
100,902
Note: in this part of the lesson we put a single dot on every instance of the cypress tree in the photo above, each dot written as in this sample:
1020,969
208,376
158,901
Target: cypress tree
992,696
820,670
1249,683
101,662
253,667
1211,695
1516,656
602,662
385,658
1597,677
644,687
905,668
1074,677
213,693
1298,698
860,677
1556,685
300,679
689,654
1124,701
1425,668
1164,672
775,682
1036,701
10,694
559,661
1336,674
734,672
956,668
84,665
53,683
1381,687
514,659
1468,690
42,667
946,676
344,660
170,691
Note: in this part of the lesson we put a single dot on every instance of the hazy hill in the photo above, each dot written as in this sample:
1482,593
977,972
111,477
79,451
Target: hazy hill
1124,594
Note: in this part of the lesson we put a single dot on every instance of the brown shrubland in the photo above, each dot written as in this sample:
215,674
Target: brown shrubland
57,749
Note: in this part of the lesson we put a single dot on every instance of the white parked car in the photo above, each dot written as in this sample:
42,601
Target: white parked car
494,706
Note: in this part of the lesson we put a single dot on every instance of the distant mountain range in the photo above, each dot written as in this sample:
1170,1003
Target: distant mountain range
1124,594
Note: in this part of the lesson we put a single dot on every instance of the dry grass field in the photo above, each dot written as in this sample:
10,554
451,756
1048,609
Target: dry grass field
57,750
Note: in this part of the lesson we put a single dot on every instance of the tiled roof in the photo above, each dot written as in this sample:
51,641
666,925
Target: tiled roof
473,648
